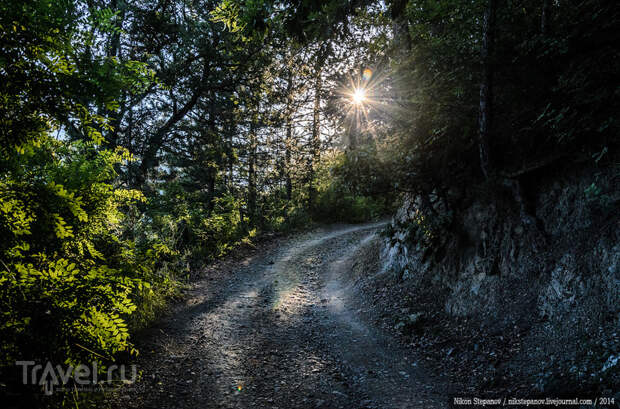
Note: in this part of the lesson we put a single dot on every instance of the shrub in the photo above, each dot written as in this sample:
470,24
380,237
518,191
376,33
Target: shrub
344,194
67,281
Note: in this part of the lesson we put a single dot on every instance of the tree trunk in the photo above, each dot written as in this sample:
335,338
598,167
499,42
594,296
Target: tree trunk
289,137
486,86
353,131
211,190
211,171
545,16
316,136
157,138
113,49
230,126
402,47
252,171
400,27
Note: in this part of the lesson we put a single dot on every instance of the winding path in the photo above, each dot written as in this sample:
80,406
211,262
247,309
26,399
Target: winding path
284,330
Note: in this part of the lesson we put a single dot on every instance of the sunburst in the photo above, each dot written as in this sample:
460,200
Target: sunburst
363,94
359,96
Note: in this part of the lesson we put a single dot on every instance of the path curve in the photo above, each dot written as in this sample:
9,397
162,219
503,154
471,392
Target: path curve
284,330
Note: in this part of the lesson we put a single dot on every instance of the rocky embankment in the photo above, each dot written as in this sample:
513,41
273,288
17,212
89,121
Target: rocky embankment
512,293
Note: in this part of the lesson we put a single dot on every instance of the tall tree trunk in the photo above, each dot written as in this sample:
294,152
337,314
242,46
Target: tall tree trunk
486,86
288,142
252,170
230,126
400,27
402,51
114,44
316,136
353,130
545,16
113,49
212,170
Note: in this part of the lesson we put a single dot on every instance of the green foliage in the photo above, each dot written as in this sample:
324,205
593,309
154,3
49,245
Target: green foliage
67,282
578,57
227,12
551,89
344,194
47,48
189,229
68,279
599,196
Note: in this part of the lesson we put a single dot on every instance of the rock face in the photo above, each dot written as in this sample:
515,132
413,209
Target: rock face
544,254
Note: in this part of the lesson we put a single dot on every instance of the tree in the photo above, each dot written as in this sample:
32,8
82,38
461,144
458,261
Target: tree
59,207
486,86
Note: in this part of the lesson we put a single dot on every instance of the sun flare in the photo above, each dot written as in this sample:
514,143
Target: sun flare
359,96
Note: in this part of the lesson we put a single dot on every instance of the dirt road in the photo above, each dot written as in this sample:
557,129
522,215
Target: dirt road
282,330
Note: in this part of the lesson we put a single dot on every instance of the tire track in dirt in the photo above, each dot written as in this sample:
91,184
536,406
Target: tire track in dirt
283,331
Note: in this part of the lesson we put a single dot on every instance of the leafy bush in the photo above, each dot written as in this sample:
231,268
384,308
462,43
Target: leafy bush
191,227
345,189
69,277
67,281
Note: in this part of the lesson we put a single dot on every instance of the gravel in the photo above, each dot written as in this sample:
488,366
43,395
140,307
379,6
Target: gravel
280,328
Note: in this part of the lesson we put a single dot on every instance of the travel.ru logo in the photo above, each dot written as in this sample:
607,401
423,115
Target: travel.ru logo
82,376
